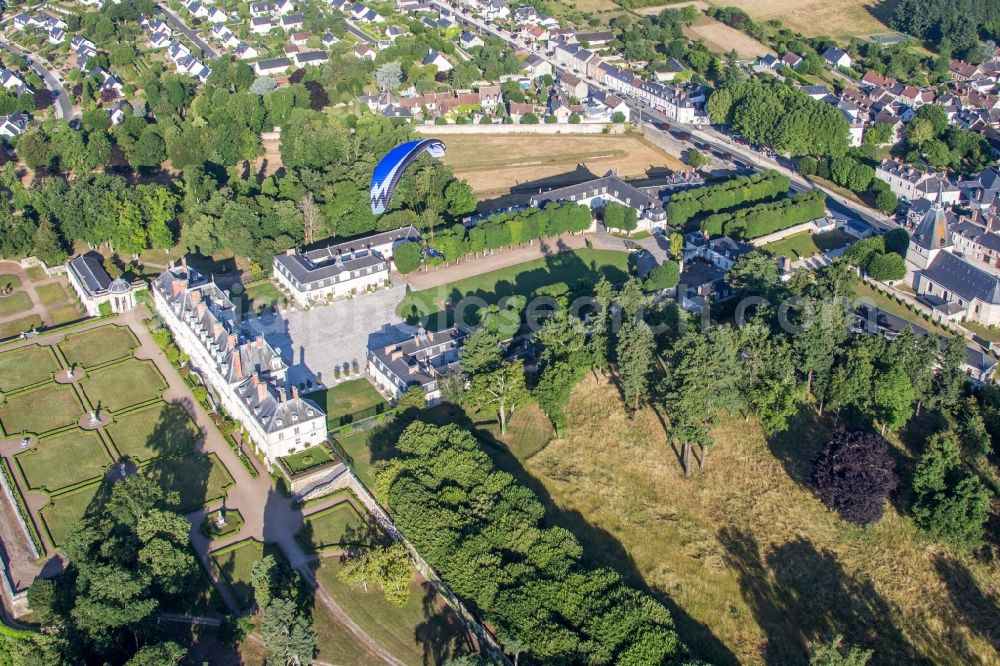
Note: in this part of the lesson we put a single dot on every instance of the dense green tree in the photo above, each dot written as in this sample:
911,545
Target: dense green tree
950,503
387,567
635,360
501,390
664,276
287,634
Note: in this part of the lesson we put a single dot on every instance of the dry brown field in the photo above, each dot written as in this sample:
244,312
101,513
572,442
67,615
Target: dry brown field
493,164
751,564
816,17
720,37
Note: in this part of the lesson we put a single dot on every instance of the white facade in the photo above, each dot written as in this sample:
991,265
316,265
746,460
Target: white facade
246,375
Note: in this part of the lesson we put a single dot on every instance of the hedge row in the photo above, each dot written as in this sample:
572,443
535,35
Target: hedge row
711,198
502,230
22,508
766,218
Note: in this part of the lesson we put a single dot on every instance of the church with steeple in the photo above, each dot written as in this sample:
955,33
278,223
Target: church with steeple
954,286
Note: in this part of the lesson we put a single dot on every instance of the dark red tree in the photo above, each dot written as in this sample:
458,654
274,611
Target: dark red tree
854,474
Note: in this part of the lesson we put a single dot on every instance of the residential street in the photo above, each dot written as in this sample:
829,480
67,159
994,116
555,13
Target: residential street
63,108
182,27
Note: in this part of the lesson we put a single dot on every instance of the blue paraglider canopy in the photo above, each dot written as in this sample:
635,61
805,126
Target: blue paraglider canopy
391,167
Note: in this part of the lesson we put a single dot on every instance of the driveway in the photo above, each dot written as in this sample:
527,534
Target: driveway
322,338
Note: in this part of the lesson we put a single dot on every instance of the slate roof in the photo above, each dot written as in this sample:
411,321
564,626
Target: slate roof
932,232
423,357
963,279
89,270
977,234
607,184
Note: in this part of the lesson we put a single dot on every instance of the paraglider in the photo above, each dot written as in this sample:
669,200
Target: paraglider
391,167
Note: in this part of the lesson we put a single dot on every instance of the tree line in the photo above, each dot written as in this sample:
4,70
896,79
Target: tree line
766,218
780,115
494,233
486,536
685,205
961,22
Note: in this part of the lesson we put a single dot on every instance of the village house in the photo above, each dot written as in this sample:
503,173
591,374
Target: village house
905,181
336,271
14,124
310,58
272,66
595,194
291,22
573,86
421,360
537,67
364,53
437,60
836,58
261,25
247,376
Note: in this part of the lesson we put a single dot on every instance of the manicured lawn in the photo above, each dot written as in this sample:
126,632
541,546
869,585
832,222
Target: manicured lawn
9,329
422,631
66,511
304,460
197,478
356,447
805,244
19,301
100,345
64,460
40,410
36,273
64,314
794,247
356,398
161,430
235,563
832,240
262,294
52,293
26,366
122,385
9,281
339,525
575,268
985,332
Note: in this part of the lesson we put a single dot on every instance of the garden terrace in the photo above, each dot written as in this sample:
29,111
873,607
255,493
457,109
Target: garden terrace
26,366
97,346
336,527
40,410
64,460
122,385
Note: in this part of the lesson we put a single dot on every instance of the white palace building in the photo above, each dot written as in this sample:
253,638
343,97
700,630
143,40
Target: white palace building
246,374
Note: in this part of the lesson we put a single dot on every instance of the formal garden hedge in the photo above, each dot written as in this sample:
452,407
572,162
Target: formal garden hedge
766,218
712,198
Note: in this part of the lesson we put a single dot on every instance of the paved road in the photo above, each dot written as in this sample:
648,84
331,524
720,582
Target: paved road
175,20
839,206
63,108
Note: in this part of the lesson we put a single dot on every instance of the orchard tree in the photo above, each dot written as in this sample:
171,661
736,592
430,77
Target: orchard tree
854,474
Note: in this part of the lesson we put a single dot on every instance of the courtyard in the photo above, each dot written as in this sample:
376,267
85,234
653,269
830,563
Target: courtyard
316,342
